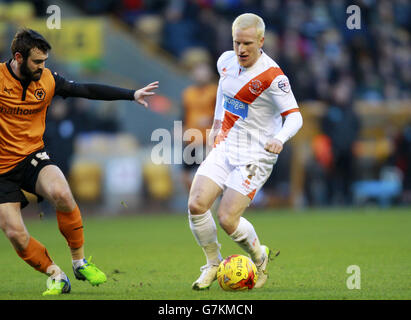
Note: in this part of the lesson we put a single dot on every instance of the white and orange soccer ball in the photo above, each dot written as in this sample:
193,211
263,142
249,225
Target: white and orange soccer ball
236,273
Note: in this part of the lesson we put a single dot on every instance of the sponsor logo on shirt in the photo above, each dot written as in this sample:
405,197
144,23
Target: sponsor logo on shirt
19,111
236,107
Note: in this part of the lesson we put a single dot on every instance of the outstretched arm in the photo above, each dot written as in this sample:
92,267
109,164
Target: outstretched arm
94,91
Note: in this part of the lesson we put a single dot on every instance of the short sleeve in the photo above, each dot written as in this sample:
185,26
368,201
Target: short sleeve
223,59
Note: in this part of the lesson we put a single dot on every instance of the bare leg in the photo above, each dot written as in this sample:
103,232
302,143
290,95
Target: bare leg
203,193
230,211
11,222
232,207
28,248
52,185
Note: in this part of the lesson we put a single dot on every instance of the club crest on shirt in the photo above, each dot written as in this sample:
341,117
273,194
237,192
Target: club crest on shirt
284,85
255,87
40,94
7,90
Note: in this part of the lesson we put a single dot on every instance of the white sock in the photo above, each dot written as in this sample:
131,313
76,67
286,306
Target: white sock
204,230
247,239
78,263
54,272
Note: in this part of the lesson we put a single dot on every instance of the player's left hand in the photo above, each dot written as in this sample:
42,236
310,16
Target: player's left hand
274,146
147,91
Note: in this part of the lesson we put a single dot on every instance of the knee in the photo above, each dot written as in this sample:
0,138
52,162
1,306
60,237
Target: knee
19,237
196,205
225,220
62,197
228,219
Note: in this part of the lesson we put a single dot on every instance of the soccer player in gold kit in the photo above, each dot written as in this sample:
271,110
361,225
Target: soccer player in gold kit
27,88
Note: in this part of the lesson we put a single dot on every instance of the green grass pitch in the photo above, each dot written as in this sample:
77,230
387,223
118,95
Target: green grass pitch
156,257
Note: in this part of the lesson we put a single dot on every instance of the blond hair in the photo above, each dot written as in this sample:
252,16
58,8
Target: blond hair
249,20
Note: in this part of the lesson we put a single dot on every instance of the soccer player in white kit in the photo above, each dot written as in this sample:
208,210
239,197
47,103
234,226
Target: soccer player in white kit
248,133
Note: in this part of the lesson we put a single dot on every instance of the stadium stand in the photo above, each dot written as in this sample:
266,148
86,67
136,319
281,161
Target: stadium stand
161,40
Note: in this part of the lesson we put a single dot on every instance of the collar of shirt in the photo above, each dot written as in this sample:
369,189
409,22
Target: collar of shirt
24,83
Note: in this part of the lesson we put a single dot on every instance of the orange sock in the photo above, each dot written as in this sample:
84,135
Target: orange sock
36,255
71,227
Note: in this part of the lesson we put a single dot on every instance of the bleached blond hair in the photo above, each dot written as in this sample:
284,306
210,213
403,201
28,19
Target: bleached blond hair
248,20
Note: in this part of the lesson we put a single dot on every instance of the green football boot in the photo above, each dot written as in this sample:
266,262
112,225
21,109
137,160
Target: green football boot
90,272
57,286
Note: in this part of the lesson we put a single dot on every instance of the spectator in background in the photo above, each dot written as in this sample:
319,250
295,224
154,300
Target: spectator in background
102,119
60,134
313,38
402,159
198,107
3,47
65,120
342,125
180,30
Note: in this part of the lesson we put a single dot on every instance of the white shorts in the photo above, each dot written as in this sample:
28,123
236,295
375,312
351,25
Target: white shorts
246,179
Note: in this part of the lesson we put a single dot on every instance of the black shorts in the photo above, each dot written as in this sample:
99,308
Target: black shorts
23,176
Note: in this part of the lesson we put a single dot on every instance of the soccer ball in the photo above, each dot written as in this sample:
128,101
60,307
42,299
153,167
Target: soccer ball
237,273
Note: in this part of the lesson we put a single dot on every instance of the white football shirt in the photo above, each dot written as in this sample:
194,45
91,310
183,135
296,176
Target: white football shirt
251,103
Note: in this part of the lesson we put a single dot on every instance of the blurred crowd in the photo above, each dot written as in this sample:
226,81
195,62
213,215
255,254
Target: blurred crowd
325,60
309,39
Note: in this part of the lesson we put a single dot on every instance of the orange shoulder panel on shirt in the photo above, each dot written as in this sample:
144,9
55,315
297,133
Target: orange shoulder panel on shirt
22,116
257,85
247,94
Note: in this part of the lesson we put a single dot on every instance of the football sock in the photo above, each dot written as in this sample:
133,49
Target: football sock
212,253
247,239
36,255
78,263
204,230
71,227
54,271
77,253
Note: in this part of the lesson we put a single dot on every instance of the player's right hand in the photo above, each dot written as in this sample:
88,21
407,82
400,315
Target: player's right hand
139,95
274,146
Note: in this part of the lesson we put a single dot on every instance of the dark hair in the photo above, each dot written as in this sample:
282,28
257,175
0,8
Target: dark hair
27,39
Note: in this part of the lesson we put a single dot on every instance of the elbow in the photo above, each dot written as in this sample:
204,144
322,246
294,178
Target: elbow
297,119
301,121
